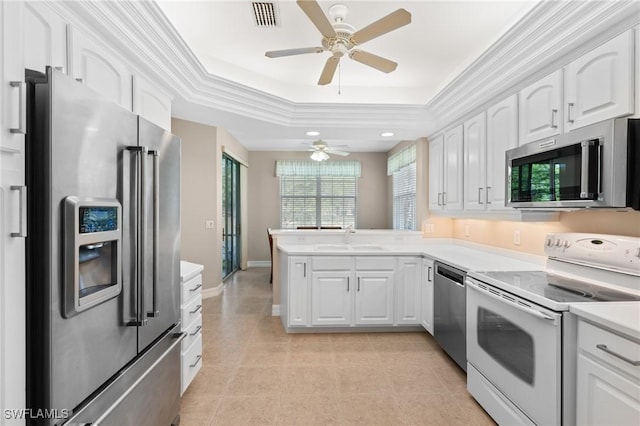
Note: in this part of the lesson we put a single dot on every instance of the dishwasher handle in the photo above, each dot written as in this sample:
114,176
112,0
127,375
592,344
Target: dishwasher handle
451,274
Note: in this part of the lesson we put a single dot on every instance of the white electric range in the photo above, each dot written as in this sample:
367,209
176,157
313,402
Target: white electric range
520,336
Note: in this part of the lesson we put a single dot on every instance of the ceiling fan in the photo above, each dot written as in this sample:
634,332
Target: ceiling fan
320,151
341,38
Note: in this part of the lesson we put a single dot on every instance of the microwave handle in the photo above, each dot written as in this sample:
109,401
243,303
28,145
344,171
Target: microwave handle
584,178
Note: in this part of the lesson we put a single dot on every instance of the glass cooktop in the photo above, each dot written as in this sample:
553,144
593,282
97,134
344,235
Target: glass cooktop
558,288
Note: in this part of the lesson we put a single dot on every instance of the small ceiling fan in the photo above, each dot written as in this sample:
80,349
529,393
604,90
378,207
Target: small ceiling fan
320,151
341,38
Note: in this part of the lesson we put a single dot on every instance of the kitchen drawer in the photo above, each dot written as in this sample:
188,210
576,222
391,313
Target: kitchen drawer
590,336
193,330
375,263
191,363
331,263
190,311
191,288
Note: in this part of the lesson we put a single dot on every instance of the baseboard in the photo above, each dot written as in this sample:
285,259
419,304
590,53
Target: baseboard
275,310
213,292
258,264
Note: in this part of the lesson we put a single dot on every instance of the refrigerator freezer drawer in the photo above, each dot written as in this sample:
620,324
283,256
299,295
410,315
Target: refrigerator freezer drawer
191,363
193,330
191,288
146,393
191,310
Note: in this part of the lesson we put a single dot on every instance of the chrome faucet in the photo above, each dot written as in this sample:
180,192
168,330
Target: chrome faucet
347,232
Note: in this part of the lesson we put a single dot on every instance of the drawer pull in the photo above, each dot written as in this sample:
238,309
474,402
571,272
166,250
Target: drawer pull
624,358
198,358
198,328
195,288
196,309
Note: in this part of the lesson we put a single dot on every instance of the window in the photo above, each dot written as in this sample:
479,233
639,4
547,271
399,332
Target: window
313,194
402,166
404,198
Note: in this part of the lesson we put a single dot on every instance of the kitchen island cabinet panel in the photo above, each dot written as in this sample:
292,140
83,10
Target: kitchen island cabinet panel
331,297
408,291
298,312
374,297
426,296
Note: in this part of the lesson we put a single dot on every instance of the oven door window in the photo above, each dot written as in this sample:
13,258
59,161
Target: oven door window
555,175
511,346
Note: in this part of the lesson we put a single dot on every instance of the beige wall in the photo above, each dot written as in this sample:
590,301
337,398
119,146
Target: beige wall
201,199
532,234
264,193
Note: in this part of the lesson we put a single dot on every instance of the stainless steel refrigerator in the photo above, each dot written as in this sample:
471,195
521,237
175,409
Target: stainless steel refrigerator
103,263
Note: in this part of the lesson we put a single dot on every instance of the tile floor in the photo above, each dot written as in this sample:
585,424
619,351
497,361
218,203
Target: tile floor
253,373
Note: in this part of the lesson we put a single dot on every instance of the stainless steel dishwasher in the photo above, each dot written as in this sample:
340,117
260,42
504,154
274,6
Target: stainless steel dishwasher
449,311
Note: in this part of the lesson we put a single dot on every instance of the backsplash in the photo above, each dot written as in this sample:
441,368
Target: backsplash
529,236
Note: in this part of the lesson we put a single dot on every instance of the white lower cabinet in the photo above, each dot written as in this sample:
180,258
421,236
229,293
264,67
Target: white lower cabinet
426,295
608,382
408,290
351,291
191,321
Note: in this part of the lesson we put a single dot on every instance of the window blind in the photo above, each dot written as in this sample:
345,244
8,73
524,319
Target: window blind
308,199
404,197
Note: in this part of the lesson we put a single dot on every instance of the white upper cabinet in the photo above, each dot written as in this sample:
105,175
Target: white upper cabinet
502,135
453,169
600,84
151,103
436,178
99,69
475,150
541,108
44,38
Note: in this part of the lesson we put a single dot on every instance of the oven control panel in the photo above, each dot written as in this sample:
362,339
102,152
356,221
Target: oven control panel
607,251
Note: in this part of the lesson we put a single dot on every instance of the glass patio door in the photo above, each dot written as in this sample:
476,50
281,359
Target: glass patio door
230,215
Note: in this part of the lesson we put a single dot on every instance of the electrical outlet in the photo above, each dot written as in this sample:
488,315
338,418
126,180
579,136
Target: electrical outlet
208,224
430,228
516,237
467,230
301,238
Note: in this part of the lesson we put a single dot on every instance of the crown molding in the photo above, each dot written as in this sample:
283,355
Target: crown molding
549,36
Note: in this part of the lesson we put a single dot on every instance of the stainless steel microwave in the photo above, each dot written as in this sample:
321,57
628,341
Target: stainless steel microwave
594,166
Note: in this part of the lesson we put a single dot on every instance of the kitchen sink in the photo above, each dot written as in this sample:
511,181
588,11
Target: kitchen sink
368,247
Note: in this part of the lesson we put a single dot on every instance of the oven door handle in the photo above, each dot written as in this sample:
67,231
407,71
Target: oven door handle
533,312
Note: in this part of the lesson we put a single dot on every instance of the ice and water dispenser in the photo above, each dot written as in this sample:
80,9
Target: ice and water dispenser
93,252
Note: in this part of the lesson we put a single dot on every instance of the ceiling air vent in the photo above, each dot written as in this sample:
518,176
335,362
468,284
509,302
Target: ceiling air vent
265,14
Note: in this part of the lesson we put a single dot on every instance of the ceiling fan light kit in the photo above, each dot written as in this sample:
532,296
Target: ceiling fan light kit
321,151
340,38
319,156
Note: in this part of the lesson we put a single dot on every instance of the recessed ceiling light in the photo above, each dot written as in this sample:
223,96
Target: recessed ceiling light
312,133
387,134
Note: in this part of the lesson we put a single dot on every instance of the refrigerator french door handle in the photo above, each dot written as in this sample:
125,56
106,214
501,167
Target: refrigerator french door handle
155,312
140,223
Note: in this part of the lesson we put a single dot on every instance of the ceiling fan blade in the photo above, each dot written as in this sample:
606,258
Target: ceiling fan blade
374,61
328,71
391,22
290,52
313,11
333,151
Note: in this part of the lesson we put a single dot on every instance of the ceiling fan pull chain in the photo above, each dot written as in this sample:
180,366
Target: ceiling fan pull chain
339,78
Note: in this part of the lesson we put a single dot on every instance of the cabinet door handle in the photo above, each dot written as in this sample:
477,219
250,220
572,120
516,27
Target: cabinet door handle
486,194
191,290
358,283
198,358
429,272
196,309
553,118
22,105
617,355
444,194
347,283
480,196
304,272
569,105
22,230
198,328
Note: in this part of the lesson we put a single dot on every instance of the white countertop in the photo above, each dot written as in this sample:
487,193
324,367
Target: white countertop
623,317
459,254
189,270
